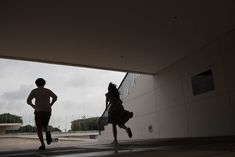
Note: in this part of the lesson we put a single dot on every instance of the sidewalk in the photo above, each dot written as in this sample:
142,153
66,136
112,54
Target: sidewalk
195,147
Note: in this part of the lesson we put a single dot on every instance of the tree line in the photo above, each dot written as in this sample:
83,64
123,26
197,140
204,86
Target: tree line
10,118
32,129
85,124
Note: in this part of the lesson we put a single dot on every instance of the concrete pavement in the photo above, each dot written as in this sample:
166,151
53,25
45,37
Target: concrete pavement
196,147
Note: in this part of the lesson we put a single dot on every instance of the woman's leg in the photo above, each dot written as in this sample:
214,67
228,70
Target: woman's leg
128,130
123,126
115,134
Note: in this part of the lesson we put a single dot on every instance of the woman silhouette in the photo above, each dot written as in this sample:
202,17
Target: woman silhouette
117,115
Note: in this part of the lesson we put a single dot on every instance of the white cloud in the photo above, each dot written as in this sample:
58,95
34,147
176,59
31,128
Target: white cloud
19,94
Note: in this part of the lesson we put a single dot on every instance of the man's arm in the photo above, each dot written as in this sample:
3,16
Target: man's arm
29,100
54,98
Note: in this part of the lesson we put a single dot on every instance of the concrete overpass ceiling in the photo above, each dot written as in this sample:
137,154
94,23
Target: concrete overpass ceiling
136,36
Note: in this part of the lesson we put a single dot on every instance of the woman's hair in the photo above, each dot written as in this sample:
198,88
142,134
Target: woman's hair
40,82
113,90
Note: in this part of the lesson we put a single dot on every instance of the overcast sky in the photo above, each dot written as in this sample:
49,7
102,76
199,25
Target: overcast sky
80,91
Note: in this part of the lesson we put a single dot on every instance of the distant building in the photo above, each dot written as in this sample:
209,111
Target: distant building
9,122
9,126
87,124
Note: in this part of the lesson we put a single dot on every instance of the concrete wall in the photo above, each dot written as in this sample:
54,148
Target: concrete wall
166,102
9,126
2,130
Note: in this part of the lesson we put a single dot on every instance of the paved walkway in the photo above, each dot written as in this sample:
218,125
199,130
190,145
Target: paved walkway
199,147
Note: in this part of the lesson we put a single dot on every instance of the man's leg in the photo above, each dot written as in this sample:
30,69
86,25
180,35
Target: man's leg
38,121
45,124
40,136
48,137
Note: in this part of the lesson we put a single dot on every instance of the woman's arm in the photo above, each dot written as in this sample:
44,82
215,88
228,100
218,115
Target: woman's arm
106,101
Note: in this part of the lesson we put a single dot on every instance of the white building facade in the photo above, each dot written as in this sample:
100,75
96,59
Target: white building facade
194,97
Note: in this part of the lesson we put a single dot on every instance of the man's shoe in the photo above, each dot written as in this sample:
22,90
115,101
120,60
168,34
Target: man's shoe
114,142
42,147
48,137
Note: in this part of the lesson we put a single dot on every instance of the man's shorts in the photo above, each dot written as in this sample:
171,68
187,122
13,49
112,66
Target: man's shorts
42,119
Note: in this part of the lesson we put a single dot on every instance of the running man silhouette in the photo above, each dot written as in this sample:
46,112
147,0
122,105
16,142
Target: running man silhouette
117,115
42,109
